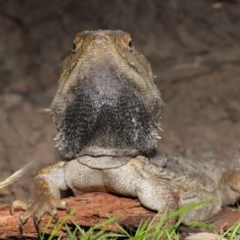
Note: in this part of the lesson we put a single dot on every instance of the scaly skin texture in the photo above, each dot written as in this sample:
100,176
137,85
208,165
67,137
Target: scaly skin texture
107,111
107,103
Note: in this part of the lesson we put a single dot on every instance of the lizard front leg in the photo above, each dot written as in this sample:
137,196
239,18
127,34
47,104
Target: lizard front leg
156,194
133,179
46,196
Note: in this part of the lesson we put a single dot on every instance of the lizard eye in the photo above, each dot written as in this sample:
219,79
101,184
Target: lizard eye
130,45
73,50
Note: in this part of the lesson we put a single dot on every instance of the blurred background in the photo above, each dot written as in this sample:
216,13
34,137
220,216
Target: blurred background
194,49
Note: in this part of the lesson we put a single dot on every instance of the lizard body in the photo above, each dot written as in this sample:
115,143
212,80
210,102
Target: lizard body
107,111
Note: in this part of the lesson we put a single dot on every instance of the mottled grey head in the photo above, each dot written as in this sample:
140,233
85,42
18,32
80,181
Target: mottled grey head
106,102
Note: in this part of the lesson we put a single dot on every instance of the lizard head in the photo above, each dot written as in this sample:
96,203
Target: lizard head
106,102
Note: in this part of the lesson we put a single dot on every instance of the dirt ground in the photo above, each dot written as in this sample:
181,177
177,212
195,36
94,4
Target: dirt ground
194,50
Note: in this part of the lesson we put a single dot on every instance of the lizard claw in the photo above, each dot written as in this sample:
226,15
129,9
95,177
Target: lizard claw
36,210
55,217
20,225
36,222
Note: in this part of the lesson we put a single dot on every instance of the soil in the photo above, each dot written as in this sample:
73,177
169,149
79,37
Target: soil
193,47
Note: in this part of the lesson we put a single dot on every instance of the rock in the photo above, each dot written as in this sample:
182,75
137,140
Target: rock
225,219
89,209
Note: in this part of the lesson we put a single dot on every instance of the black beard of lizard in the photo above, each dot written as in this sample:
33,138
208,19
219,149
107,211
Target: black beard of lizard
104,112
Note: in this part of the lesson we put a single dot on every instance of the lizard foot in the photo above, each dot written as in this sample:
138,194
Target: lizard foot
37,209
